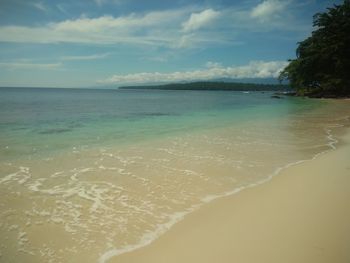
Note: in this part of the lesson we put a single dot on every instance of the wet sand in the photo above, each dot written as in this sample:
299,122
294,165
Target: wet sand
301,215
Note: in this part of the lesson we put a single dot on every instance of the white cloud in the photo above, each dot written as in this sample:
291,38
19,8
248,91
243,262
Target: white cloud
255,69
211,64
30,66
199,20
40,6
185,41
154,28
62,9
87,57
268,9
188,27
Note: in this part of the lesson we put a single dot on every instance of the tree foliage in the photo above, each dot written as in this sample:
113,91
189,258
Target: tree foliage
322,64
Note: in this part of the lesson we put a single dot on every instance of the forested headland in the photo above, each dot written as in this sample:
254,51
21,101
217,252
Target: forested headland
322,64
219,86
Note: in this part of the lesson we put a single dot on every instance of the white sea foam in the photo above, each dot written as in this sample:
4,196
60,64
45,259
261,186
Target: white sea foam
151,236
20,176
131,200
147,238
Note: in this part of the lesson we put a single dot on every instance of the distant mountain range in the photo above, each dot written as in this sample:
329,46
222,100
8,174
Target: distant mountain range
216,85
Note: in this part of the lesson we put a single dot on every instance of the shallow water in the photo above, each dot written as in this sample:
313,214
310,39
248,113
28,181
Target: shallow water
88,174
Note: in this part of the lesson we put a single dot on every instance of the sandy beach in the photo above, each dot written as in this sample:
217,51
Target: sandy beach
301,215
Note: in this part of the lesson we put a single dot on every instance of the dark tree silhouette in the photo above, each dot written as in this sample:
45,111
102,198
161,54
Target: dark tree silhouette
322,66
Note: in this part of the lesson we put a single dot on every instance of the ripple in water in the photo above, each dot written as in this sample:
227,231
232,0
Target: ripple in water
89,204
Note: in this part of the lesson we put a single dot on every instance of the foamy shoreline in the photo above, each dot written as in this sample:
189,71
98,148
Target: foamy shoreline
168,245
110,199
162,229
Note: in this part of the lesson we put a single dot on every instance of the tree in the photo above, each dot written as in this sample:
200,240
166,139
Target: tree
322,64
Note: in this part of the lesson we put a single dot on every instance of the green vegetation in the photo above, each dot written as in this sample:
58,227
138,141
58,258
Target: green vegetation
222,86
322,66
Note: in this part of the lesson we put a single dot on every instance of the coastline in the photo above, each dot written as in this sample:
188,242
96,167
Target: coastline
301,215
114,196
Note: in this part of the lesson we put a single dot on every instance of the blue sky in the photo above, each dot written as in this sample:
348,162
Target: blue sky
49,43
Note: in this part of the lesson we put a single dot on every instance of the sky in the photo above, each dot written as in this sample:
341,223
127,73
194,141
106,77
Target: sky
87,43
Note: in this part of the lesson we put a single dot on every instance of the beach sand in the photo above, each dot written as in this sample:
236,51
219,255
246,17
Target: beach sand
301,215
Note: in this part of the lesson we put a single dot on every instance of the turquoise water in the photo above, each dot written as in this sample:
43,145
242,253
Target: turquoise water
37,121
86,175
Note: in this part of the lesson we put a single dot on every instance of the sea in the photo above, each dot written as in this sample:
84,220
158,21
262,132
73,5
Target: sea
89,174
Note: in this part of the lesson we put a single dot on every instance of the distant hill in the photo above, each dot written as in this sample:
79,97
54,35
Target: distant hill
222,86
249,80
